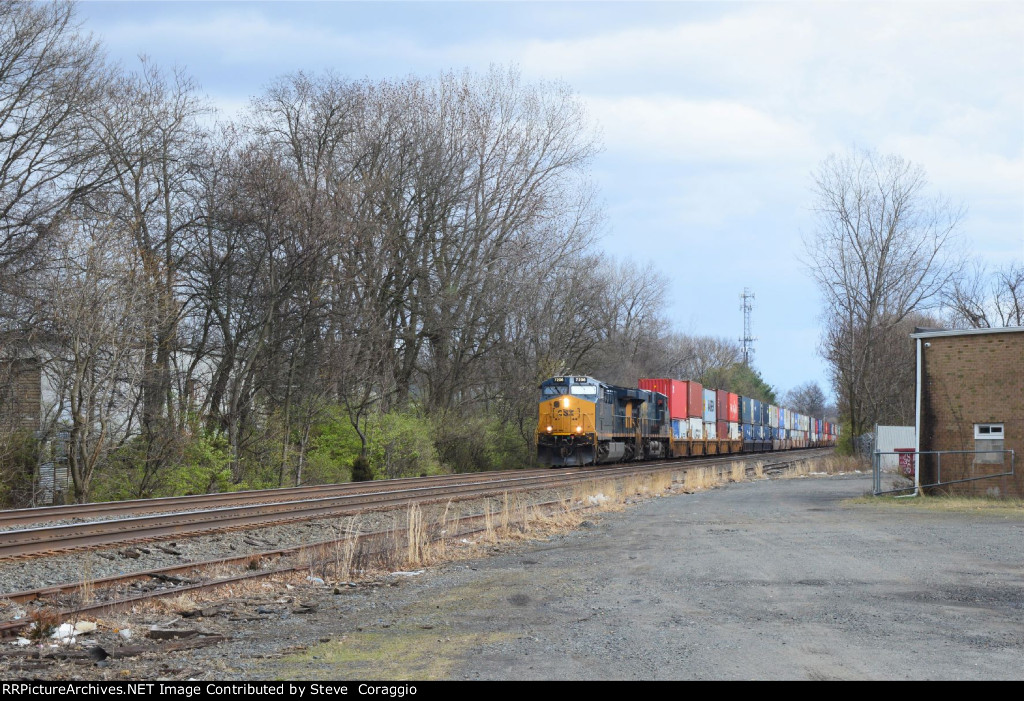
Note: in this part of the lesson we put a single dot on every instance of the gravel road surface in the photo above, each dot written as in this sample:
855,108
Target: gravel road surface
766,580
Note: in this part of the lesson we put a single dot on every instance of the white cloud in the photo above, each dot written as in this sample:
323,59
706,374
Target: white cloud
669,128
856,71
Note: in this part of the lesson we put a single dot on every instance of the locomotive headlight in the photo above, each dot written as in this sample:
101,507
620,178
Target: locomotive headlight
565,402
549,429
579,429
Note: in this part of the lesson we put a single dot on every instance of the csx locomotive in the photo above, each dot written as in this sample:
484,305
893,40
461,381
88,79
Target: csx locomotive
583,421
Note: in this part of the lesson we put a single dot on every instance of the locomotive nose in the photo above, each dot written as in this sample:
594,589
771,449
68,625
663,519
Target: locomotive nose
566,415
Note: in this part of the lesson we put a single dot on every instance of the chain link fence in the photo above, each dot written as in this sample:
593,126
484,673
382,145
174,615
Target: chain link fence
937,468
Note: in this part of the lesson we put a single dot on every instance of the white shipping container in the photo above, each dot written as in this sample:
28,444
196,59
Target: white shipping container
680,429
734,431
710,430
696,429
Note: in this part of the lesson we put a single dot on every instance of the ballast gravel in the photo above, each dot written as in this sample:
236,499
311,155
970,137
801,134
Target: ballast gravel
75,566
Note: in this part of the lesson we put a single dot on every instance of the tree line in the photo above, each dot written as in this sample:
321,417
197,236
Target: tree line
361,278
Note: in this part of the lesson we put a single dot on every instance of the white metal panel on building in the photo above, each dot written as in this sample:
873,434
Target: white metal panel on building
889,438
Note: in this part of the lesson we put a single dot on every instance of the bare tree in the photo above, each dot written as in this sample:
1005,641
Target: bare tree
91,314
49,83
517,151
980,299
704,358
881,250
807,399
150,129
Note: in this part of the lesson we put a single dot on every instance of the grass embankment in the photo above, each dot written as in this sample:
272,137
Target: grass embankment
1007,508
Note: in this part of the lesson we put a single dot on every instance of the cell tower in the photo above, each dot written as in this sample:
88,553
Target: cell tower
748,338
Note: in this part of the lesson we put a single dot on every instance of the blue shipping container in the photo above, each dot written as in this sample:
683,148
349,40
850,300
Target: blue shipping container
748,432
746,410
679,429
710,412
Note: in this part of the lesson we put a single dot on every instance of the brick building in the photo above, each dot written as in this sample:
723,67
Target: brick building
20,395
970,397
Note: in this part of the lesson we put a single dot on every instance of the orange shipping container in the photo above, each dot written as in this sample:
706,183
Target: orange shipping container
695,399
676,393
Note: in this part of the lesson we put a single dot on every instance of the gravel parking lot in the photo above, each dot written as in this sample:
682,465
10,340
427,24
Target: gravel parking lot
779,579
766,580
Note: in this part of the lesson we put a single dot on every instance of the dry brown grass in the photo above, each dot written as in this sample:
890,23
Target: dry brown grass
838,464
700,478
489,534
335,560
44,622
187,601
85,593
828,465
1006,508
414,536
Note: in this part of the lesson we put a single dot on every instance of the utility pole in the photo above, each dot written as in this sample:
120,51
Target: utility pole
748,337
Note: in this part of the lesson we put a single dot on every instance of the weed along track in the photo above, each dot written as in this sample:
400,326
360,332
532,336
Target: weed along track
327,540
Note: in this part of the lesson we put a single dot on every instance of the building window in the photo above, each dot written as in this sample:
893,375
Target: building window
988,437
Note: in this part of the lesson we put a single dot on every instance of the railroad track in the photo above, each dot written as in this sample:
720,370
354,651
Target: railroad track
90,535
168,573
111,509
210,517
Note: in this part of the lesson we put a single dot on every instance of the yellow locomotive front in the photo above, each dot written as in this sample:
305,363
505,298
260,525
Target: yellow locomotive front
566,426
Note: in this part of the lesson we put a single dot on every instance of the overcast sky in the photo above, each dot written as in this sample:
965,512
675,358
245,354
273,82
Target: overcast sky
713,116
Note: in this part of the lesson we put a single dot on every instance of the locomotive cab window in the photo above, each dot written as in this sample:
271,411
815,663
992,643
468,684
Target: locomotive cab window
584,390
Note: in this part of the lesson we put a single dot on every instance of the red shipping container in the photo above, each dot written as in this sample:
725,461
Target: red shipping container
674,390
722,405
734,408
723,430
695,402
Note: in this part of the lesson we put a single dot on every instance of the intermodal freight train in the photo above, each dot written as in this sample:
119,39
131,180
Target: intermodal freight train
583,421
